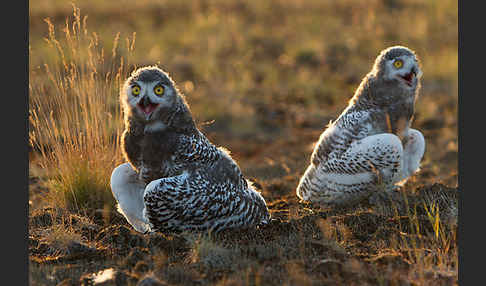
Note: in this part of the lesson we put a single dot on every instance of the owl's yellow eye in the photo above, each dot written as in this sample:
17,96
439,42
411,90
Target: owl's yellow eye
159,90
398,64
135,90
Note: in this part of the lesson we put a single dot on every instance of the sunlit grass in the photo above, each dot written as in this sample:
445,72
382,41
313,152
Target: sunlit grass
428,243
74,114
60,236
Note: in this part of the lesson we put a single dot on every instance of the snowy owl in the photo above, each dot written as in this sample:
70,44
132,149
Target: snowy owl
370,147
176,179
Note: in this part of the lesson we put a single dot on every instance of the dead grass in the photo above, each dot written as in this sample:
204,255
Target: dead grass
60,236
74,115
430,243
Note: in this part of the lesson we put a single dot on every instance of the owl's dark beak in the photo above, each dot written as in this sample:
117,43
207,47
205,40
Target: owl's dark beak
145,101
414,71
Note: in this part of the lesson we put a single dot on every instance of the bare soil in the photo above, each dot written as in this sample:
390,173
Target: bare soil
389,242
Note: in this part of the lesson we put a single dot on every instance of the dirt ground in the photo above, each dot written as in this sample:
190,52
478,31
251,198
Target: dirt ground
391,242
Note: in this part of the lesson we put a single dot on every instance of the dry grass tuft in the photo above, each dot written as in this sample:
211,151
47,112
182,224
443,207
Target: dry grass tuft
74,115
211,255
60,236
425,238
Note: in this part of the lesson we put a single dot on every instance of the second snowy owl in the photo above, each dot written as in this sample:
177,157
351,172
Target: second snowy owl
370,147
175,179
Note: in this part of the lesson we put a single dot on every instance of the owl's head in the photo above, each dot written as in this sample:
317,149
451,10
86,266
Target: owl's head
398,64
148,92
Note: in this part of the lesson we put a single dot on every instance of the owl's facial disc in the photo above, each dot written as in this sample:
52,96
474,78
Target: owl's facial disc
148,98
405,69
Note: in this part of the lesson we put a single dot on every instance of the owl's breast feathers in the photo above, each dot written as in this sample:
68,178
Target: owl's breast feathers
166,152
393,105
131,145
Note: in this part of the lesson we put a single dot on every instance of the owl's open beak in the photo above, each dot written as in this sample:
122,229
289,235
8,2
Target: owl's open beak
408,78
146,105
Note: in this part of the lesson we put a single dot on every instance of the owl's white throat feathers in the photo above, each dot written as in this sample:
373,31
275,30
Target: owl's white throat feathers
154,126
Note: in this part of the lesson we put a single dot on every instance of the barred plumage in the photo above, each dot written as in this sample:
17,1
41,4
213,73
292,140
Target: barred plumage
370,147
176,179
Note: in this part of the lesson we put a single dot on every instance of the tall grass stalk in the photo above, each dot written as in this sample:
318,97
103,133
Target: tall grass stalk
445,240
75,119
427,250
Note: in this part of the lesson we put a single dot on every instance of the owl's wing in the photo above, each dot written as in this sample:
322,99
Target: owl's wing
338,137
196,148
198,201
350,161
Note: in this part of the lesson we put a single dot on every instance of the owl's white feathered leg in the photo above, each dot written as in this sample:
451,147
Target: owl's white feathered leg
370,164
413,151
128,192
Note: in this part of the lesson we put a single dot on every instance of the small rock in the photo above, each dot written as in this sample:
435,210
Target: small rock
151,281
77,250
105,277
141,267
328,267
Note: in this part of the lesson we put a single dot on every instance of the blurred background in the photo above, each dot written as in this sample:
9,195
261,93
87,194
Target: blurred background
263,78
